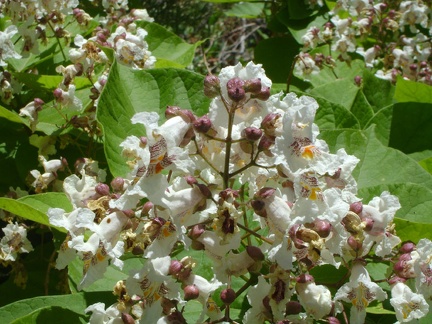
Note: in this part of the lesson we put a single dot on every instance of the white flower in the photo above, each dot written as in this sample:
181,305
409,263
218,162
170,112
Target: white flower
6,45
359,291
79,190
258,313
13,242
315,299
408,305
423,269
100,315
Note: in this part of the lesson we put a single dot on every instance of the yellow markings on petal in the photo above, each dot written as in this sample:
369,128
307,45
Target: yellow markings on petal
309,152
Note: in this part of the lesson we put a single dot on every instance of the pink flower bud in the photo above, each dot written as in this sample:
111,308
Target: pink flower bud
228,296
407,247
127,318
175,268
356,207
117,184
354,244
263,95
394,280
269,123
102,189
252,85
146,208
293,308
235,89
211,86
58,93
252,133
171,111
196,231
191,292
191,180
202,124
255,253
305,278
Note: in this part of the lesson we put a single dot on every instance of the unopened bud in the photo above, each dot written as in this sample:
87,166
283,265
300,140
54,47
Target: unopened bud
228,296
175,268
407,247
265,143
265,192
293,308
323,228
269,123
58,93
263,95
358,80
258,207
252,133
333,320
211,86
202,124
354,244
102,189
171,111
146,208
38,103
356,207
252,85
255,253
127,318
196,231
191,180
235,89
117,184
305,278
368,223
191,292
395,280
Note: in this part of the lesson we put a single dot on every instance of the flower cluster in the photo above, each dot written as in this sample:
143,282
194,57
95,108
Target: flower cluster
252,186
398,37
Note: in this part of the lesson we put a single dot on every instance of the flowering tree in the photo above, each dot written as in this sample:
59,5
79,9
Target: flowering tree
217,198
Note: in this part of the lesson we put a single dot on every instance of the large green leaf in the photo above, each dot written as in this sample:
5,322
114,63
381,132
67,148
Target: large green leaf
410,91
52,308
245,10
169,49
411,127
128,92
34,207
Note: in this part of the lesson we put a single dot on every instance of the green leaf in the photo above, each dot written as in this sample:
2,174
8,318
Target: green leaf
328,274
128,92
411,91
378,92
167,47
276,54
34,207
46,307
411,127
245,10
11,116
426,164
333,116
344,98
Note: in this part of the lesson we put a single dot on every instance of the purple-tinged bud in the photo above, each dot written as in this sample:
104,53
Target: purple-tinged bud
252,85
358,80
228,193
423,64
265,192
146,208
205,190
175,268
196,231
58,93
79,68
255,253
394,280
38,103
333,320
191,292
236,94
102,189
202,124
354,244
305,278
235,89
176,317
228,296
269,123
171,111
356,207
293,308
190,180
265,143
117,184
211,86
404,269
143,141
407,247
127,318
263,95
369,223
413,67
252,133
322,227
259,207
383,6
405,257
